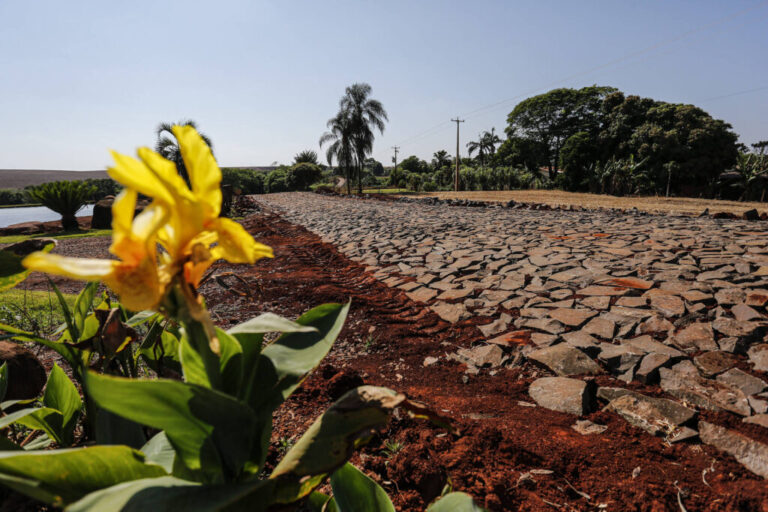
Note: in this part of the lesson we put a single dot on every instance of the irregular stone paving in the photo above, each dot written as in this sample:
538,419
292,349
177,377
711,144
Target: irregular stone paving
674,301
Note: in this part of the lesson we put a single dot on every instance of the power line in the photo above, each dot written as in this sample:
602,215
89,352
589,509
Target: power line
713,98
610,63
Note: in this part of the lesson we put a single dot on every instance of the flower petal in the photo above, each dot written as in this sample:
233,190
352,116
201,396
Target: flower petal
134,174
88,269
204,172
139,286
166,172
236,245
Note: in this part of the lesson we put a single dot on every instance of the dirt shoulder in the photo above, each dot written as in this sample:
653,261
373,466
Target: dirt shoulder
510,455
559,198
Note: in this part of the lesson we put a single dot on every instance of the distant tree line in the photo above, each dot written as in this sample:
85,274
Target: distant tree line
600,140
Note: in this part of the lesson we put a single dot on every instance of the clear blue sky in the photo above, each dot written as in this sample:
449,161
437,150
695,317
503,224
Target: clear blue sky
262,78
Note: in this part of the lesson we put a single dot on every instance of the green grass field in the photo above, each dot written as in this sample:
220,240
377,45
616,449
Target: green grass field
35,311
12,239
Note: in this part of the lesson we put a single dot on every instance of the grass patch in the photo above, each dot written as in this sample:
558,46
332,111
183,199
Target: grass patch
401,191
12,239
35,311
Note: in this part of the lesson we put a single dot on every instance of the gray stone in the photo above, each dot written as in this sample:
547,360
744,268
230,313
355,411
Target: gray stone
483,356
744,313
601,327
572,317
451,313
696,336
542,324
582,341
620,358
742,381
648,371
728,296
757,419
657,416
684,382
562,394
752,454
422,294
649,345
733,327
497,326
565,360
715,362
586,427
758,356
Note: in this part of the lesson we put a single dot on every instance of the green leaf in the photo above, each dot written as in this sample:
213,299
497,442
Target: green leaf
269,322
192,363
46,419
143,317
354,491
62,476
113,429
319,502
3,381
164,353
159,450
230,363
331,439
285,364
83,304
170,494
210,431
74,333
61,395
455,502
12,272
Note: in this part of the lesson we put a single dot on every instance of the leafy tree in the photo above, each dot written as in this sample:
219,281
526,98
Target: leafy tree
247,181
63,197
414,164
552,117
522,152
307,156
365,115
485,145
440,159
376,167
168,147
578,157
277,181
340,137
302,175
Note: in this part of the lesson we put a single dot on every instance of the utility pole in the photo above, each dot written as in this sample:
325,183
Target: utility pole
396,148
456,174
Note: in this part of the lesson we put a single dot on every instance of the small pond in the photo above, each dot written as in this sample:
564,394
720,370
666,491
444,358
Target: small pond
10,216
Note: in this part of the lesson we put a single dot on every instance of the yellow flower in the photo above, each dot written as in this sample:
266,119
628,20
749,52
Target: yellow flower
135,276
184,221
194,223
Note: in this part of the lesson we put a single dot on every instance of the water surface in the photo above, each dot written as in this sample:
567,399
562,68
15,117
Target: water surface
10,216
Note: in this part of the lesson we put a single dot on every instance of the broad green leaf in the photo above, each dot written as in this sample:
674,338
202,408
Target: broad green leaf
170,494
269,322
159,450
90,327
329,442
192,364
12,272
62,476
285,364
319,502
74,333
46,419
164,353
143,317
230,363
455,502
3,381
61,395
82,305
210,431
69,352
40,442
116,430
354,491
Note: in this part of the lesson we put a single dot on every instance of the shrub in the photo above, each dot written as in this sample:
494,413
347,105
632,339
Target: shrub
103,187
64,197
302,175
276,181
11,196
246,181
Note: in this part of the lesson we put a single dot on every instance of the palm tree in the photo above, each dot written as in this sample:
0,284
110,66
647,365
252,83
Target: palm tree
63,197
341,148
307,156
365,115
440,159
168,147
484,145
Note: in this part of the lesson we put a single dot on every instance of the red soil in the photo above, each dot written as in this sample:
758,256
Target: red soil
502,440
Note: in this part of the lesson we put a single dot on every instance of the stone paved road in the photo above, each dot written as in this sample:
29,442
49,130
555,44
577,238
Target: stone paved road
678,301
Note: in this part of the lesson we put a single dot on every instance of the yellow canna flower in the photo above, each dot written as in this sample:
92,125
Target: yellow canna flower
135,276
194,223
184,221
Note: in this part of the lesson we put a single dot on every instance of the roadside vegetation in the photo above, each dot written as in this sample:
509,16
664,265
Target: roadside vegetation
35,311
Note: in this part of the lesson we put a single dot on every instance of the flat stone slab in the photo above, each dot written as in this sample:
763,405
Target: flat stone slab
572,317
422,294
451,313
565,360
752,454
657,416
562,394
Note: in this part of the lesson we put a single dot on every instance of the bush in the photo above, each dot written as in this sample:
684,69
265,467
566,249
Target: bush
276,181
243,181
103,187
302,175
64,197
11,196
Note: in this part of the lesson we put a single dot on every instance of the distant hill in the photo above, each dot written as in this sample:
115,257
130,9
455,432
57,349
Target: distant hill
20,178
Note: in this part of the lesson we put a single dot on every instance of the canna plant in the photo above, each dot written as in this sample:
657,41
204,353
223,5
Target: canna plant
210,430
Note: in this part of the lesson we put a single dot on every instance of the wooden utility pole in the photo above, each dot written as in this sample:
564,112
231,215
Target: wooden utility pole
456,174
396,148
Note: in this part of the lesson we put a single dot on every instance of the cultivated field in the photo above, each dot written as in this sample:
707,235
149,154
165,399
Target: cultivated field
673,205
20,178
